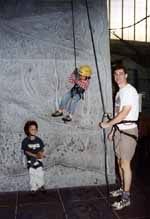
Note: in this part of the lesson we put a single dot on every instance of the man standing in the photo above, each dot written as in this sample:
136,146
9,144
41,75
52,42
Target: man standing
124,134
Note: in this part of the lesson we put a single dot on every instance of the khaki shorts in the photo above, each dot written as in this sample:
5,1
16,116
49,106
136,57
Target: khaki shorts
124,145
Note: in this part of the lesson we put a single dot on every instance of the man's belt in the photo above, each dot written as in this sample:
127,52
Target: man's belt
123,132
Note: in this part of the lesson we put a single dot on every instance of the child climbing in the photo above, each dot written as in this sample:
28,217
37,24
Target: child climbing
33,149
81,80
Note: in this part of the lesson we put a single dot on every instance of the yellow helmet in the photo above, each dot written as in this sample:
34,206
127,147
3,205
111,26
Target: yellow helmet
85,71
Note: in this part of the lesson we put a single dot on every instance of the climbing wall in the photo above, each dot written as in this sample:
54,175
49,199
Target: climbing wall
36,58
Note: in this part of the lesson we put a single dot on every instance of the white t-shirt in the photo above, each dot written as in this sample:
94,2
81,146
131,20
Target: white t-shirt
127,96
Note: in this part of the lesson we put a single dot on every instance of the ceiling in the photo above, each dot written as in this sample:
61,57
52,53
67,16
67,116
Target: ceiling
137,51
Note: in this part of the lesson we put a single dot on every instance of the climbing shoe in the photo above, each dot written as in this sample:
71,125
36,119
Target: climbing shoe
57,114
67,118
42,189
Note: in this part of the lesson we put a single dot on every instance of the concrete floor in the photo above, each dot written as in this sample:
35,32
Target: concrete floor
83,202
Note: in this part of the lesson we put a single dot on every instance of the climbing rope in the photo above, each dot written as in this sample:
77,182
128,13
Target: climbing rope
98,76
73,35
101,94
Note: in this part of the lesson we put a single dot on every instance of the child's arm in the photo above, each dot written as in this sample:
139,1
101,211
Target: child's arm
30,154
38,155
83,83
72,78
23,158
41,154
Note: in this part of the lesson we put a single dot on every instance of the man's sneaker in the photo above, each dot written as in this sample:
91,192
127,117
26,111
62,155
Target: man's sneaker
116,193
114,205
32,193
42,189
57,113
121,204
67,118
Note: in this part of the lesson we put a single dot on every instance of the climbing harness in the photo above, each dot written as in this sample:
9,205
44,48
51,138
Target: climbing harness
116,128
76,89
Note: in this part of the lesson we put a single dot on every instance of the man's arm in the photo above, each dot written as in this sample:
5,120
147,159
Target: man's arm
118,118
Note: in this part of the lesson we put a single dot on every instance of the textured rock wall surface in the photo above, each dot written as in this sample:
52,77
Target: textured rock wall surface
36,58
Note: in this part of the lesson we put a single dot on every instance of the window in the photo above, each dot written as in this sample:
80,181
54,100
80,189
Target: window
123,13
140,13
128,8
148,21
116,15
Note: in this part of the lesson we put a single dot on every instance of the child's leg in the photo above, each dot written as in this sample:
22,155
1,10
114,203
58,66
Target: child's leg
32,176
65,101
63,105
40,177
73,103
71,108
36,178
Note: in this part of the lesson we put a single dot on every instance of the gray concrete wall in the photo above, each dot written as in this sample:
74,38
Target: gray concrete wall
36,58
